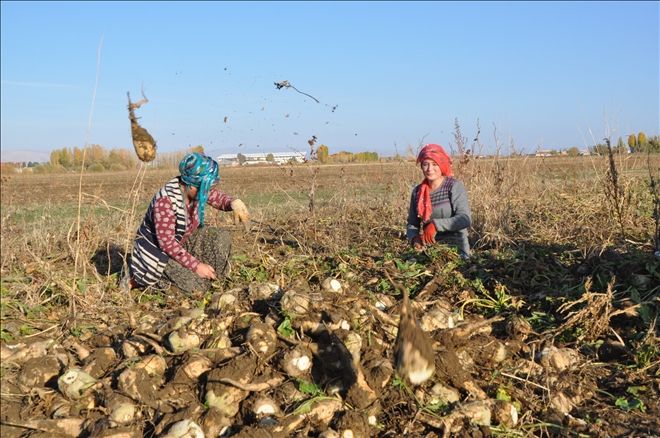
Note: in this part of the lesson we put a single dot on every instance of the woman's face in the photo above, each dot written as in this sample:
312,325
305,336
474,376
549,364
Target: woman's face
431,170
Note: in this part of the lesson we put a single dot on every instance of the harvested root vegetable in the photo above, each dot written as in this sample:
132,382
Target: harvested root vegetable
441,393
353,343
224,397
413,351
185,429
558,359
322,412
265,406
144,143
262,291
100,361
331,285
19,353
222,301
221,340
122,410
294,303
197,365
153,364
437,318
262,338
213,423
181,340
74,383
139,385
36,372
297,361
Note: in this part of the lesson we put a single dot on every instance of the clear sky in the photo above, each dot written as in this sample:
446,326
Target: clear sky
536,74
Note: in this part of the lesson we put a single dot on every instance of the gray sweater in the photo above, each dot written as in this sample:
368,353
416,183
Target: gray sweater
451,215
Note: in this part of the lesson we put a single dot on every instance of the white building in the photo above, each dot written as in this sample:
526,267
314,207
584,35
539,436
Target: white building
261,158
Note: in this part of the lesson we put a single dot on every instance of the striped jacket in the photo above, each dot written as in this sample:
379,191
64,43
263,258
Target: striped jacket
148,260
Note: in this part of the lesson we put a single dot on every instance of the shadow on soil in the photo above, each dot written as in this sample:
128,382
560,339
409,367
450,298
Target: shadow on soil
108,259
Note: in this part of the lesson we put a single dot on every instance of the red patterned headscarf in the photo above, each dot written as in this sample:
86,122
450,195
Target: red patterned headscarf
436,153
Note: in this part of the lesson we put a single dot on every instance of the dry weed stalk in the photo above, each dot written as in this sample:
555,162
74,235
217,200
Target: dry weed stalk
616,191
654,187
494,186
593,316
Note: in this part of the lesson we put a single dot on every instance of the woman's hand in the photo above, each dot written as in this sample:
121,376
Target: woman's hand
205,271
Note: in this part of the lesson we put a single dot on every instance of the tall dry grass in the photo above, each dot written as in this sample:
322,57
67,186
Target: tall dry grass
514,201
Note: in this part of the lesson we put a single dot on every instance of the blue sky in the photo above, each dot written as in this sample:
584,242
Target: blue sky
535,74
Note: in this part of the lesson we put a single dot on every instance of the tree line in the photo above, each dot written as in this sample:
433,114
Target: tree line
637,143
95,158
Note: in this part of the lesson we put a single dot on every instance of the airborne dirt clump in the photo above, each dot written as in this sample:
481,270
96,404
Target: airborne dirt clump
537,338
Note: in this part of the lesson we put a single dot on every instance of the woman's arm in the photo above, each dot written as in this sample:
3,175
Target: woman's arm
165,224
461,217
219,200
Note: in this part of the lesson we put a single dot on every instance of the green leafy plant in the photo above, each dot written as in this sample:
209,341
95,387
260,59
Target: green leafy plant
285,329
6,336
630,404
309,388
496,302
646,355
399,384
25,330
314,391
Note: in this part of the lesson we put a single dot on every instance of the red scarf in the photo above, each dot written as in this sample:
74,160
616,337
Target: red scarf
436,153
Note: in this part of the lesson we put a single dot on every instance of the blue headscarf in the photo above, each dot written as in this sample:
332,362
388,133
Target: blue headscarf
199,171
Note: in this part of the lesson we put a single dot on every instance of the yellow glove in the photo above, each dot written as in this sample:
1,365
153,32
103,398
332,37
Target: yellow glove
240,212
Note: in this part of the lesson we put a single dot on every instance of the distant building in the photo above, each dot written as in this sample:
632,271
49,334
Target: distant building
261,158
544,153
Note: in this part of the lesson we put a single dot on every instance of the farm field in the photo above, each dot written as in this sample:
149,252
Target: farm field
550,329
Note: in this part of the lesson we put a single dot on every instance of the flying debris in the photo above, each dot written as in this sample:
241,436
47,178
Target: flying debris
143,142
286,84
226,119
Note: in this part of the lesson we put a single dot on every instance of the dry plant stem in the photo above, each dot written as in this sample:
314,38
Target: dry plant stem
253,387
614,191
526,381
654,186
72,309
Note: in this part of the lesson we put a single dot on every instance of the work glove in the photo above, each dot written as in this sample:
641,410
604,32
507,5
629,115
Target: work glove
428,235
240,212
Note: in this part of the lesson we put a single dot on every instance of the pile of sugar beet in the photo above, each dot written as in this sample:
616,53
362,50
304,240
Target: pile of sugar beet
271,361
